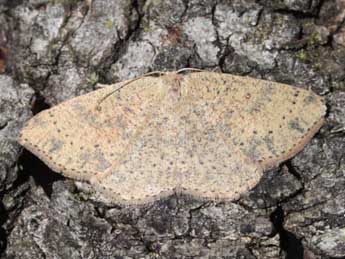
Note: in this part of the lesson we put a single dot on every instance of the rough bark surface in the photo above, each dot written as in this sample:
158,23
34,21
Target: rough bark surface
53,50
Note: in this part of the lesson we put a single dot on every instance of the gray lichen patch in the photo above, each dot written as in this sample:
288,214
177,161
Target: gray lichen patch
331,242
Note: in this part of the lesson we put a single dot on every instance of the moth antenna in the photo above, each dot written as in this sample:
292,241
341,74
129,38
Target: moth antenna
189,69
127,83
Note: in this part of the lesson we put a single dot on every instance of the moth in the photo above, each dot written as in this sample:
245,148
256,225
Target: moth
205,134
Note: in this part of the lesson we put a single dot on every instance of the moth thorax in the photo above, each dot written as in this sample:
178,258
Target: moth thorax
173,82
